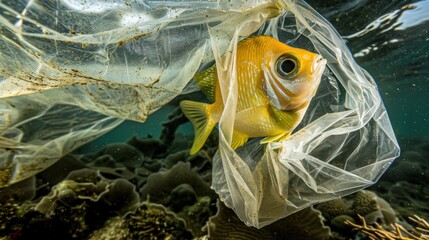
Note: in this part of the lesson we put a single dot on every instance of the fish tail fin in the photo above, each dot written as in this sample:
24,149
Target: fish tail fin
199,115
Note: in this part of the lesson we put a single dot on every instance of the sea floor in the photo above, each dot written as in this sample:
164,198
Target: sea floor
147,188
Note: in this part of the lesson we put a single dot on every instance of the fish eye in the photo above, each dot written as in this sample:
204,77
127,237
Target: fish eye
287,66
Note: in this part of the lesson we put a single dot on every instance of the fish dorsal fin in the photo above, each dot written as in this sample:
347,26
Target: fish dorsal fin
206,81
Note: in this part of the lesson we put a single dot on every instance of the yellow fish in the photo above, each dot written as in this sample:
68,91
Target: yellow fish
275,84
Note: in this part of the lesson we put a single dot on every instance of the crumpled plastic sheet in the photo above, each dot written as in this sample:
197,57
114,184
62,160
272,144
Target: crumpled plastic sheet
60,59
71,69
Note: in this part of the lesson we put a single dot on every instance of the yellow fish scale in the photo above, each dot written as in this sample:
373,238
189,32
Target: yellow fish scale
250,88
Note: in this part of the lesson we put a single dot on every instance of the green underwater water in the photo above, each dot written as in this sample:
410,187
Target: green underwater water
390,39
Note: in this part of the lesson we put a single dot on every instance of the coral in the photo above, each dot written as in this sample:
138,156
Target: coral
176,118
162,175
377,232
182,189
338,222
405,183
159,185
114,228
123,153
225,225
333,208
174,158
306,224
110,168
142,174
198,214
182,195
365,202
410,199
422,226
138,158
150,221
76,206
407,169
19,192
10,214
373,208
154,222
88,185
64,223
151,148
201,162
104,161
388,213
14,203
60,169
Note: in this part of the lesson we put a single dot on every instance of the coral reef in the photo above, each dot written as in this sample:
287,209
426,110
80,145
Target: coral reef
93,196
99,196
160,185
306,224
405,184
339,214
59,170
19,192
88,187
150,221
333,208
410,199
373,208
182,189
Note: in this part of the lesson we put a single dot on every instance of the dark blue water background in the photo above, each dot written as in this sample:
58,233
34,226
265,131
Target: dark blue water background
390,39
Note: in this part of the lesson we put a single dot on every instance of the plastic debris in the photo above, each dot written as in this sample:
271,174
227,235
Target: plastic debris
71,69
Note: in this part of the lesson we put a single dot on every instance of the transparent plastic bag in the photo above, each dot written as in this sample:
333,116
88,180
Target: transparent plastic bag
344,143
125,59
61,59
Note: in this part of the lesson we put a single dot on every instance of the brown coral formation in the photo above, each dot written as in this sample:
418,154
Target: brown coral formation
88,185
182,190
303,225
98,197
150,221
405,184
333,208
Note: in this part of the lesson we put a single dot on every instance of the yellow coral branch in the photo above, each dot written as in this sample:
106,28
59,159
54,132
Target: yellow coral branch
377,232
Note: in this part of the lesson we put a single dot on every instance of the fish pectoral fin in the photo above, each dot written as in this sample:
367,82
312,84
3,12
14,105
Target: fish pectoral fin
238,139
276,138
198,114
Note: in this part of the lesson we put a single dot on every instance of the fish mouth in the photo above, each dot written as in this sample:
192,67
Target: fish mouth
318,65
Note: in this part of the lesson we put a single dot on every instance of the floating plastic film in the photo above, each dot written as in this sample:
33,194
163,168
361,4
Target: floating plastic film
344,143
70,70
